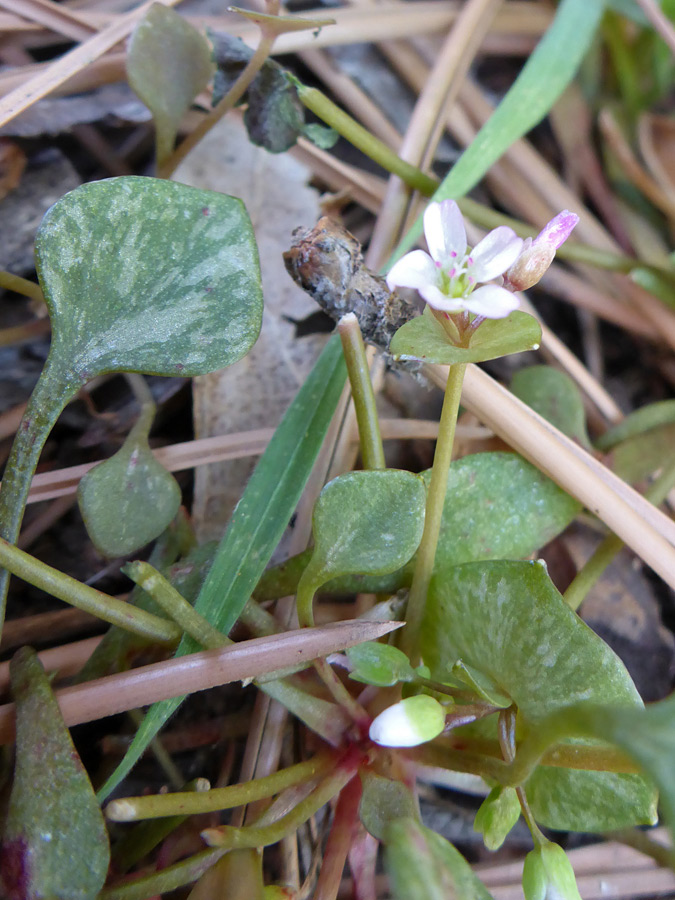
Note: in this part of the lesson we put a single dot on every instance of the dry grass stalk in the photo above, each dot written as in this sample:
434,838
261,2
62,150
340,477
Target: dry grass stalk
65,660
55,17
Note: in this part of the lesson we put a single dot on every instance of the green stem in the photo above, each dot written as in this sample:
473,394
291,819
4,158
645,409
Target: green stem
20,285
184,872
175,605
51,394
372,451
22,334
231,838
229,101
191,803
426,552
101,605
589,574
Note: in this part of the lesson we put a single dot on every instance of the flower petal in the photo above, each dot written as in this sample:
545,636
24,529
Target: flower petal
436,298
444,231
558,229
414,270
491,301
495,253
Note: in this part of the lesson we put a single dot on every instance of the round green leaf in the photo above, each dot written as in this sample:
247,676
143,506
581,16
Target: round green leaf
128,500
367,522
168,63
379,664
383,800
424,338
507,620
555,396
147,275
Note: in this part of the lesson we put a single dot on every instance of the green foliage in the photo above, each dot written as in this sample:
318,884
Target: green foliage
422,865
639,422
55,842
168,64
555,396
639,456
274,117
383,800
507,620
129,499
258,522
424,338
379,664
497,815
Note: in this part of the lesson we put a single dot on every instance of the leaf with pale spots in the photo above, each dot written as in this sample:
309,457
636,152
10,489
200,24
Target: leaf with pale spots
55,842
424,338
367,522
507,620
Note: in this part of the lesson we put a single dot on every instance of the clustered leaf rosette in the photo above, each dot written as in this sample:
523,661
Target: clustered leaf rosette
453,278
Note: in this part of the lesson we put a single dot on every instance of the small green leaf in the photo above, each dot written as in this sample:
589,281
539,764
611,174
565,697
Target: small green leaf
128,500
368,522
642,420
555,396
639,456
497,815
168,64
383,800
422,865
55,842
507,620
480,684
321,136
424,338
379,664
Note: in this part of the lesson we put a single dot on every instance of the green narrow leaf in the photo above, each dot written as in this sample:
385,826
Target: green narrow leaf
543,78
258,523
424,338
130,499
555,396
55,842
168,63
507,620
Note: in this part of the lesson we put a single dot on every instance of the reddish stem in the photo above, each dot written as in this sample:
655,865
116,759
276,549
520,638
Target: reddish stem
342,834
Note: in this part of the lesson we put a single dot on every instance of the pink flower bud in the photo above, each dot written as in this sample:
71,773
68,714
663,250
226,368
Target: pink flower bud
537,255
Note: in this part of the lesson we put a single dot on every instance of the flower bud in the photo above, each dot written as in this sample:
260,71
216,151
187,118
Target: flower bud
497,815
548,875
413,721
537,255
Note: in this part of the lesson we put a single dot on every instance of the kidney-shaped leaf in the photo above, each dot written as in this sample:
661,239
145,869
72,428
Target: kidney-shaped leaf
142,274
507,620
424,338
168,63
55,842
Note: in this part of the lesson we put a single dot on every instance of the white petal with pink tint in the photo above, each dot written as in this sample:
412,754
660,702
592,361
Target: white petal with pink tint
444,231
436,298
494,254
491,301
414,270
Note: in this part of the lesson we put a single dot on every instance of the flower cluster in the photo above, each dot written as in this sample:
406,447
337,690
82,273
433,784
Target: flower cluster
452,277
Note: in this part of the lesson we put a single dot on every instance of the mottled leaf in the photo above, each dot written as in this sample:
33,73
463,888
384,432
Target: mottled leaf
425,338
555,396
55,842
422,865
506,619
128,500
168,63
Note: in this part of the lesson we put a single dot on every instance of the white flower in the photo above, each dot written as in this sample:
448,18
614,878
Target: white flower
413,721
448,278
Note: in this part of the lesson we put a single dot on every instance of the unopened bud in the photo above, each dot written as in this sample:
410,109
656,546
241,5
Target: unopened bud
413,721
548,875
538,254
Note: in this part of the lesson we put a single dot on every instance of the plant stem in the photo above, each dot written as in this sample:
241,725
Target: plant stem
372,451
426,552
261,836
105,607
184,872
589,573
229,101
175,605
191,803
507,743
19,285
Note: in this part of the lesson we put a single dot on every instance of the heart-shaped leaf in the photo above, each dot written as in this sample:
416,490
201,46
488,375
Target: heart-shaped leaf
55,842
555,396
507,620
424,338
168,63
128,500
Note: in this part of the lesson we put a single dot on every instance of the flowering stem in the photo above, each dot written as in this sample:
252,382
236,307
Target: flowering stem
372,451
19,285
507,742
426,552
588,575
